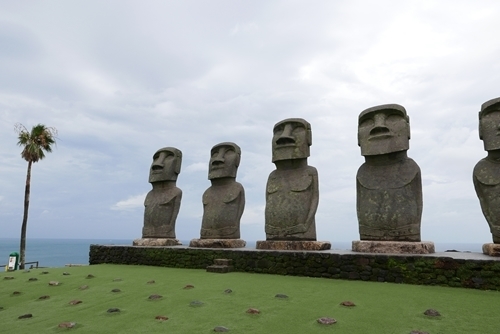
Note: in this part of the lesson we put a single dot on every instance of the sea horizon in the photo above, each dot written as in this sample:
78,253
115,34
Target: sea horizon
52,252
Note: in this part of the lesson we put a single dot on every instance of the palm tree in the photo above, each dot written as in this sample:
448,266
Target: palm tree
35,142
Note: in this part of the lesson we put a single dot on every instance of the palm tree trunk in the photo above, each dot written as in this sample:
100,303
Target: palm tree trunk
22,254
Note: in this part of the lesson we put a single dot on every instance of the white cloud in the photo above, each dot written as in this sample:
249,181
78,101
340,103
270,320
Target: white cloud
130,203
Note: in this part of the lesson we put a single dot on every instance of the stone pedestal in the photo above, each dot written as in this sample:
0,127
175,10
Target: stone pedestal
491,249
393,247
156,242
293,245
217,243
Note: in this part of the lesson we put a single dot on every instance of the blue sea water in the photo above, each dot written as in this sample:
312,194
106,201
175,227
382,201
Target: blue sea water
59,252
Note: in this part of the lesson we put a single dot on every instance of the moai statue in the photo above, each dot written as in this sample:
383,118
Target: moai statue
223,202
292,193
163,202
486,175
388,184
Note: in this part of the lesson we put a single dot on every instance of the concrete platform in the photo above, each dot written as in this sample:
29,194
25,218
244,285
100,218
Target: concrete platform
156,242
393,247
217,243
293,245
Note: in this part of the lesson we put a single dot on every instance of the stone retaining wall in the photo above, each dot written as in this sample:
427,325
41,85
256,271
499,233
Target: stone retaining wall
411,269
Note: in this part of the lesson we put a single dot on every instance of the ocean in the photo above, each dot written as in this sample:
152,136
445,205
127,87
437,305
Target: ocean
60,252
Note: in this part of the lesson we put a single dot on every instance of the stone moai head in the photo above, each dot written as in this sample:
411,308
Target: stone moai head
166,165
383,129
291,140
489,124
224,160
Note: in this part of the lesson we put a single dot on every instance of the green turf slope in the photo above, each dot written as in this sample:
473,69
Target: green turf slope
381,308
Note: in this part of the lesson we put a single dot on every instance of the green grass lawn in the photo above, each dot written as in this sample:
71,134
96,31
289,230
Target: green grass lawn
380,307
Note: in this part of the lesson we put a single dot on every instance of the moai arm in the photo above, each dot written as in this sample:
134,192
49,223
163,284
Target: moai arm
177,206
315,198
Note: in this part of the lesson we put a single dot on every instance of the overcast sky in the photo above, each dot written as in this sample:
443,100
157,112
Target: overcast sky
121,79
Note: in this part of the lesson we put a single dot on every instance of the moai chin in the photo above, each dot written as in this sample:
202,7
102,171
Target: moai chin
486,174
163,202
224,201
388,184
292,193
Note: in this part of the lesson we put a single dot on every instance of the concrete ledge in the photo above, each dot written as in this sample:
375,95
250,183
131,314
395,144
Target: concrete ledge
491,249
393,247
293,245
156,242
217,243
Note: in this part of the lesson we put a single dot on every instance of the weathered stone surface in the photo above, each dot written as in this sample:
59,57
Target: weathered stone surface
491,249
224,201
388,184
44,297
486,174
326,321
188,286
293,245
161,317
292,193
221,329
347,303
113,310
84,287
156,242
393,247
196,303
67,324
8,277
90,276
252,310
54,283
220,269
217,243
25,316
223,262
155,297
432,313
163,202
66,273
228,291
75,302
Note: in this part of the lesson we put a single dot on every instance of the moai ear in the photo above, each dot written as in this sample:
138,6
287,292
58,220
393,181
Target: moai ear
309,137
480,127
408,125
238,159
178,161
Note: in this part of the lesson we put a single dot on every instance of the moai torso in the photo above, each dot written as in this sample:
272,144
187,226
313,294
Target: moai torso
292,193
163,202
224,201
160,213
291,202
486,174
389,201
222,210
388,185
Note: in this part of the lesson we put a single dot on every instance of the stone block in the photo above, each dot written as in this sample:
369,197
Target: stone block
156,242
393,247
491,249
293,245
217,243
